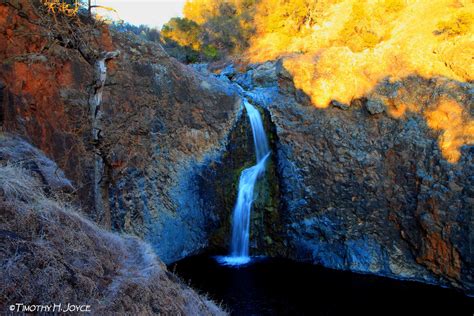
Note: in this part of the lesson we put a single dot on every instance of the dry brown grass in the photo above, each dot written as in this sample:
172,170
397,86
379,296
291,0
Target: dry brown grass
17,185
52,254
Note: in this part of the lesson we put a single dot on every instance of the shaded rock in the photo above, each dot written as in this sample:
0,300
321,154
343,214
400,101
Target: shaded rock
339,105
265,74
229,71
262,96
379,194
374,106
245,80
375,195
201,68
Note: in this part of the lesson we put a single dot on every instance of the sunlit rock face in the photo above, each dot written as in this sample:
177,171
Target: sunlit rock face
161,126
374,185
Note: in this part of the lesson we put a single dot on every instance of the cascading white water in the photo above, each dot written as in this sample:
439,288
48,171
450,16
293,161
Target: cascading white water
241,218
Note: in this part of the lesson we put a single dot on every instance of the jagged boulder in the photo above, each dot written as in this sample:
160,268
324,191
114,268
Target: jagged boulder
374,106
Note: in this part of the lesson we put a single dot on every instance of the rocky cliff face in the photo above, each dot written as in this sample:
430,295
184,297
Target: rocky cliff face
367,186
159,124
181,124
374,194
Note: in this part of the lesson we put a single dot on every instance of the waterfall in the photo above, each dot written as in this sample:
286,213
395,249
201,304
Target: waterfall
241,217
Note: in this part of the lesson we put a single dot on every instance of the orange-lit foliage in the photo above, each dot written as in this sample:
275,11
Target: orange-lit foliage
224,25
457,130
342,49
183,31
69,8
200,11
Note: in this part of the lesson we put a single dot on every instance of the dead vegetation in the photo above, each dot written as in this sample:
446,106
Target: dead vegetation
76,31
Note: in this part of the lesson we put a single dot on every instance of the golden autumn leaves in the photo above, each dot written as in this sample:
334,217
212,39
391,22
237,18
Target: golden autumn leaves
62,7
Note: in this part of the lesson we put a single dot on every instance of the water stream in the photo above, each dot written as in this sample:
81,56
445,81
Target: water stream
239,253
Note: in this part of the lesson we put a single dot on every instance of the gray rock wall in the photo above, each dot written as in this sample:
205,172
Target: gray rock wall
368,188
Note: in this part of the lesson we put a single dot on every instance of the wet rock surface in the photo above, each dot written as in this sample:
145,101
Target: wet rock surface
219,185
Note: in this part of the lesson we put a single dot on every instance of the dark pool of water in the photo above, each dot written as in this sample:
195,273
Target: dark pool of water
284,287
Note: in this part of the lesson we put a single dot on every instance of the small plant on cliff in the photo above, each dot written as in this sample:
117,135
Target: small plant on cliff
70,8
66,7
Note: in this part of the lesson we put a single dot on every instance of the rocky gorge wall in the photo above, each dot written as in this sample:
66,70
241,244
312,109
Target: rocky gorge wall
367,186
159,125
375,195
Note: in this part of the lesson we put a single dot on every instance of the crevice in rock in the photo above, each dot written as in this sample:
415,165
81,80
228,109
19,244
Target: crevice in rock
100,187
218,184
